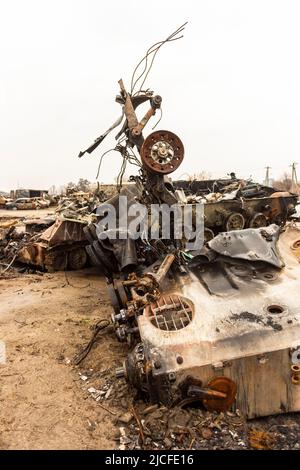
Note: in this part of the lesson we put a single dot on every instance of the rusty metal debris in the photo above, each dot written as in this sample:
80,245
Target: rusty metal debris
261,440
162,152
196,428
79,205
237,204
224,318
58,248
52,242
208,331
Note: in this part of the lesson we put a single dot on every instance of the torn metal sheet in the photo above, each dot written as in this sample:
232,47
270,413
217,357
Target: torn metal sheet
250,244
64,231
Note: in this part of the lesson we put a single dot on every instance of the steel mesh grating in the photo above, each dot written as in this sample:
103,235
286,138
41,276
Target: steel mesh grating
170,313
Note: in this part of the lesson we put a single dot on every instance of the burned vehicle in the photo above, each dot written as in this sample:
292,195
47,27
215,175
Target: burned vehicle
234,204
24,203
54,242
28,203
218,324
226,331
61,246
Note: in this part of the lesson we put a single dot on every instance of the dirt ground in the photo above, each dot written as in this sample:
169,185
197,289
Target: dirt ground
48,403
44,320
27,213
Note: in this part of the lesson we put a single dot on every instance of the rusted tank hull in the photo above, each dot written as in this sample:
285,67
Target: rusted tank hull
265,382
59,258
247,330
60,247
255,212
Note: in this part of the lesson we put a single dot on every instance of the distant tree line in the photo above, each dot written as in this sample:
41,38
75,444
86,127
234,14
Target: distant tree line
284,183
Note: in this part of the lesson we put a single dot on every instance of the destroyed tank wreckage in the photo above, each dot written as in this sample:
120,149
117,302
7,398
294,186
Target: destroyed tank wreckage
219,325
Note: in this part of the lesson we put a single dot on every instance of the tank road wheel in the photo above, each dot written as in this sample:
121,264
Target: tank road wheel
258,220
235,221
77,258
55,260
162,152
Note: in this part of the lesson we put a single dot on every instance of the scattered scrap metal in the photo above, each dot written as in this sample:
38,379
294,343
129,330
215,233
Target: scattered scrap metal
53,242
79,205
235,204
154,426
198,429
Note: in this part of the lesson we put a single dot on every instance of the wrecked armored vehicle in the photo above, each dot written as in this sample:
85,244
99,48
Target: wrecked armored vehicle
57,241
226,331
60,247
233,204
218,323
212,325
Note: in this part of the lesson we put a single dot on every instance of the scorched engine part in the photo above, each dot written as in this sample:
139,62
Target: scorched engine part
162,152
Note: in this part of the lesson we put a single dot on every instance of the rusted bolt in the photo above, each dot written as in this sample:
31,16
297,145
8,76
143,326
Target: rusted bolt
296,379
172,377
157,364
262,359
179,359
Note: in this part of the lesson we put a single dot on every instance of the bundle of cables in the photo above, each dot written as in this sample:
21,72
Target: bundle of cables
100,325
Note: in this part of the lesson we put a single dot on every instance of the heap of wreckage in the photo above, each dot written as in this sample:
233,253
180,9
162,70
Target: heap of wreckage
52,243
220,325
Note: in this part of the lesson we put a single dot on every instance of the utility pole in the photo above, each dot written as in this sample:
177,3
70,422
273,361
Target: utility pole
267,177
294,173
294,186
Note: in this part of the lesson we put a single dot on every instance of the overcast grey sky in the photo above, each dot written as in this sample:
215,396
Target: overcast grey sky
230,87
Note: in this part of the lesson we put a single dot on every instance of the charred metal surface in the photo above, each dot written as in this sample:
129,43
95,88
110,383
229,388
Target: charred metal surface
37,225
60,246
162,152
250,244
64,231
221,336
233,204
220,325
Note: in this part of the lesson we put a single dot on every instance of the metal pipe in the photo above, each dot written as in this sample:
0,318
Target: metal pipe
164,268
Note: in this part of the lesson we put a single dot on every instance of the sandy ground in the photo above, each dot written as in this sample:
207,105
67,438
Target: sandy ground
45,319
27,213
